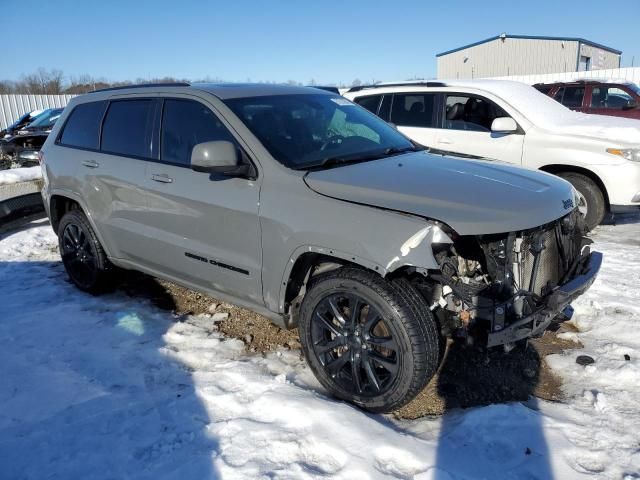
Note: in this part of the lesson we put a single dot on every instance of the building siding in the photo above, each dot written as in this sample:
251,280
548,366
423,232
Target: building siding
517,56
13,106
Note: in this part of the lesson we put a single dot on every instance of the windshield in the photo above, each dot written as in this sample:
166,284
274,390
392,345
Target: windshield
47,118
311,130
635,88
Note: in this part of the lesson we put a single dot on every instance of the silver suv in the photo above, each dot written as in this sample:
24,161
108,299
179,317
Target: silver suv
308,209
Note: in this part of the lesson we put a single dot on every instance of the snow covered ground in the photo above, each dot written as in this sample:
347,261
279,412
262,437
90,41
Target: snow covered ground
17,175
111,387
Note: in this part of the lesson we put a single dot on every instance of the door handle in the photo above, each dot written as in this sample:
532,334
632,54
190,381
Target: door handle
90,163
163,178
445,141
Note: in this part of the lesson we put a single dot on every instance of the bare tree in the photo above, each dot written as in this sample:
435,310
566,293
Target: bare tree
42,82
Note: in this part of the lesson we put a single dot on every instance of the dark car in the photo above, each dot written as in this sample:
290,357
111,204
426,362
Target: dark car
603,98
30,138
43,122
21,122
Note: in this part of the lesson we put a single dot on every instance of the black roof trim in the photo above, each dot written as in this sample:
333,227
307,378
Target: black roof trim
533,37
586,81
142,85
398,84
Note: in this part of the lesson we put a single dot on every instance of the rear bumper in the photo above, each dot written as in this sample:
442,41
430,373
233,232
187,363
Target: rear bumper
557,304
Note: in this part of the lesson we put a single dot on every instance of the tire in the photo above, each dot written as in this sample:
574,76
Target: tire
83,257
393,357
595,206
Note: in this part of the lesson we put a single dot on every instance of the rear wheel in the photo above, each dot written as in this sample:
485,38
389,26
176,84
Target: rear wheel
83,257
591,203
368,341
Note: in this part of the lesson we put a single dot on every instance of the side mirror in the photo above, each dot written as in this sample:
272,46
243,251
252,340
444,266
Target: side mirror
504,125
219,157
631,103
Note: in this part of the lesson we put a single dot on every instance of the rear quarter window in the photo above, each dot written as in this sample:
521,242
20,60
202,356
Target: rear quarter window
370,102
82,129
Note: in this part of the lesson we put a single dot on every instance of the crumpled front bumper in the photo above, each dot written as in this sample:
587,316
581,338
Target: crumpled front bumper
556,304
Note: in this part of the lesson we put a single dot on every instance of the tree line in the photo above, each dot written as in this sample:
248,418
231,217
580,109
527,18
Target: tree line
54,82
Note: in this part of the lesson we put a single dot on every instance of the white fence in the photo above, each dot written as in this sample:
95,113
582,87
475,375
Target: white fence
12,106
631,74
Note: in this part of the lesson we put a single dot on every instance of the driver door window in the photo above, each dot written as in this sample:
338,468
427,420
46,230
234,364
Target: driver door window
609,97
467,129
466,112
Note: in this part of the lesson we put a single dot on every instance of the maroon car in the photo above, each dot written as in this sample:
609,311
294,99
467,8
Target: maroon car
603,98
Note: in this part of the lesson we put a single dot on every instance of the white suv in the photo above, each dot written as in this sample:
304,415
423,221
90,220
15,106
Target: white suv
513,122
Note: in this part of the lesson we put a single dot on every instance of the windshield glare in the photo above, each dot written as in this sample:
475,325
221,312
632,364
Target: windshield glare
48,117
304,130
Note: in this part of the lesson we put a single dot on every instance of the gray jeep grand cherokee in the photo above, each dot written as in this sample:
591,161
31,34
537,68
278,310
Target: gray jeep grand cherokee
308,209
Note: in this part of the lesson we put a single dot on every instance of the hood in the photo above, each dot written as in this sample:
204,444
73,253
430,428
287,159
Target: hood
603,127
474,197
29,130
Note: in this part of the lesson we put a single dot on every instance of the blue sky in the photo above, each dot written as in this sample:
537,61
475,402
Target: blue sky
327,41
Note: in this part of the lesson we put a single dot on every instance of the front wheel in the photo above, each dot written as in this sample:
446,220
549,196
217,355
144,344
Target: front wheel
368,341
591,202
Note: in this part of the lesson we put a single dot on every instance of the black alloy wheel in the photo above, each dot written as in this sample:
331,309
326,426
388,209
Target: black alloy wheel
368,340
354,345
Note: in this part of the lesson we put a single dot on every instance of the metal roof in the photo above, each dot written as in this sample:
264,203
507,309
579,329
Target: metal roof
533,37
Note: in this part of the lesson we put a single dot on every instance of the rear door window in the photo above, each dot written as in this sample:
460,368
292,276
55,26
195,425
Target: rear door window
413,110
128,128
186,123
82,129
370,102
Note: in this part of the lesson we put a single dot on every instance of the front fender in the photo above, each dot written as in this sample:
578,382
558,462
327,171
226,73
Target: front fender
407,249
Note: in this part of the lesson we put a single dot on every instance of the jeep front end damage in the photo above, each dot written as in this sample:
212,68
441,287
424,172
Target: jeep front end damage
499,289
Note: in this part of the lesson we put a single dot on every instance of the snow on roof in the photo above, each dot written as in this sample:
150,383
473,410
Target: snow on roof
548,114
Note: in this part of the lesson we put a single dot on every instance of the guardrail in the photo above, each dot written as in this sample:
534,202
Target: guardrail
20,200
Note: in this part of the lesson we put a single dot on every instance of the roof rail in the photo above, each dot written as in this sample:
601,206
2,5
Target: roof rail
397,84
142,85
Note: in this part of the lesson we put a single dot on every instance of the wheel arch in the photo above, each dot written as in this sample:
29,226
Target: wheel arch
62,202
58,206
557,169
309,261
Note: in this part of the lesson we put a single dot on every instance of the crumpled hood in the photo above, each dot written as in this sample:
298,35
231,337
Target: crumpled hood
473,197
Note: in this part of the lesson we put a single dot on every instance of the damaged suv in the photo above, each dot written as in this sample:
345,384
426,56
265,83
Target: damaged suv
310,210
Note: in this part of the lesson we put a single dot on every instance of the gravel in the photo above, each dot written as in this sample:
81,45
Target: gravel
468,377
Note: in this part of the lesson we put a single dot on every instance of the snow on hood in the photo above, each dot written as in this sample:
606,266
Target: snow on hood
546,113
473,197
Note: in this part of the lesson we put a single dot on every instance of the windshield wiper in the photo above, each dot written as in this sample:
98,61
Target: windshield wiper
395,150
334,161
357,158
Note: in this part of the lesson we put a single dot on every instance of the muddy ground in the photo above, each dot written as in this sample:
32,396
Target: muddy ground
467,377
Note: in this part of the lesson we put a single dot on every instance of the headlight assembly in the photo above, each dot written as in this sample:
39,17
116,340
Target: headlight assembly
632,154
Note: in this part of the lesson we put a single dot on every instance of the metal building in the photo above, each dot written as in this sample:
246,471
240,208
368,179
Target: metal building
504,55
